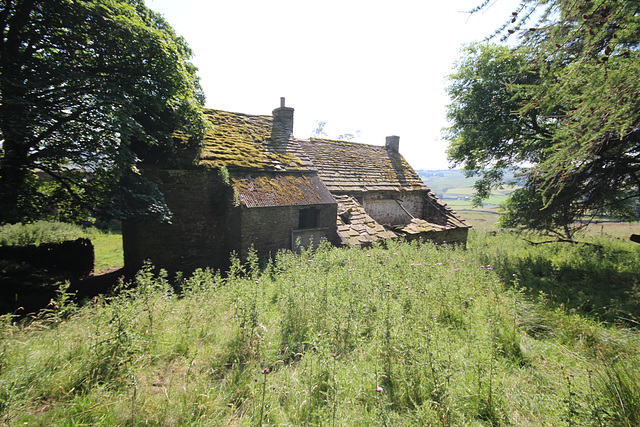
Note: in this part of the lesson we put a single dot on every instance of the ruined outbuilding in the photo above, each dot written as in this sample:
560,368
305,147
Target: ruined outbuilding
258,186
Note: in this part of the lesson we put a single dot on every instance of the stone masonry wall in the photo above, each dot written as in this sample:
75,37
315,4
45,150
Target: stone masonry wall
269,229
451,236
382,207
196,236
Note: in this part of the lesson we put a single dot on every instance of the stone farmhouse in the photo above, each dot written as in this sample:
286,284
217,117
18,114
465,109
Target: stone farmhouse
257,185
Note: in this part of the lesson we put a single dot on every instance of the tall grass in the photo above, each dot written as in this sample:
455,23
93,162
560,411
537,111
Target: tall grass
407,334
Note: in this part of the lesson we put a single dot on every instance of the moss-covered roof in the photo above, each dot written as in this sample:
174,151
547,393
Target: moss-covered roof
348,166
282,189
242,141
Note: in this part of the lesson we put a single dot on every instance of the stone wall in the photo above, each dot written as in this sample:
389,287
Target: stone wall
269,229
207,226
382,206
452,236
195,237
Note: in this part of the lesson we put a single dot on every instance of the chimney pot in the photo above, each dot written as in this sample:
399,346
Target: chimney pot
282,102
393,143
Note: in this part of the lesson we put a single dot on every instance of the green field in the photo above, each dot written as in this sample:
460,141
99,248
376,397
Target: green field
456,190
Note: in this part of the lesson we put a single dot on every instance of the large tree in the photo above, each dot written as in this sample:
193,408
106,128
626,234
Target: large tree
88,88
562,105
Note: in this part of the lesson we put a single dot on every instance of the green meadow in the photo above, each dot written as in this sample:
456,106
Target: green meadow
501,332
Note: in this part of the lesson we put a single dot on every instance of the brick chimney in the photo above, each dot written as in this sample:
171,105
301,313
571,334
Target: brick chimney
393,143
282,123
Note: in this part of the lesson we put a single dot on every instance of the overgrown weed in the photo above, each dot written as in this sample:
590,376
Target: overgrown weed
403,334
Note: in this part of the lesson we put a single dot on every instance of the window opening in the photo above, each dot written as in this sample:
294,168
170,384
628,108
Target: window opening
308,218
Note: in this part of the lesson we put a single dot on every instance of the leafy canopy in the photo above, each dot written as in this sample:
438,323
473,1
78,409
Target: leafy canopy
560,105
88,88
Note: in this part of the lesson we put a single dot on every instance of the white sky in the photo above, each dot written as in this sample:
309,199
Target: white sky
369,66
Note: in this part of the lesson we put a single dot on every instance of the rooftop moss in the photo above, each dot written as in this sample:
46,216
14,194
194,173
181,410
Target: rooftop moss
244,141
280,190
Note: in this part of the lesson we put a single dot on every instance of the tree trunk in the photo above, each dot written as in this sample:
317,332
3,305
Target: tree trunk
14,163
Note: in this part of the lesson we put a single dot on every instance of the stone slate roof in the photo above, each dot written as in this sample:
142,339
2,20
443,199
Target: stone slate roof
347,167
243,141
262,190
308,172
355,226
452,218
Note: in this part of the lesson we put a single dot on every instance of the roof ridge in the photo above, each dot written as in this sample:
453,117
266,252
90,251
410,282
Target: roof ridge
210,110
339,141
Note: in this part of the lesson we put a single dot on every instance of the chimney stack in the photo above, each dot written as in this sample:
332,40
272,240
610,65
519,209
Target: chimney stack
282,123
393,143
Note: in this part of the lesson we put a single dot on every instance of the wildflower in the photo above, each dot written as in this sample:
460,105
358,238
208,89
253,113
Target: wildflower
515,275
471,299
265,371
379,389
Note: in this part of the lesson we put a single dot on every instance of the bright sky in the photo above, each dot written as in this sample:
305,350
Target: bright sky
370,67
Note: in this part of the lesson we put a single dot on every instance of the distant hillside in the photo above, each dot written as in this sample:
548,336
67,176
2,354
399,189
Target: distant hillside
451,184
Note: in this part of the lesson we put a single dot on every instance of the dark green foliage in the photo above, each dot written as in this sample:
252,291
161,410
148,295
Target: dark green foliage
87,89
559,107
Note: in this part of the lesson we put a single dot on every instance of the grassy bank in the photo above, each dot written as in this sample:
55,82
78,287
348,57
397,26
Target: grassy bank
107,244
501,333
